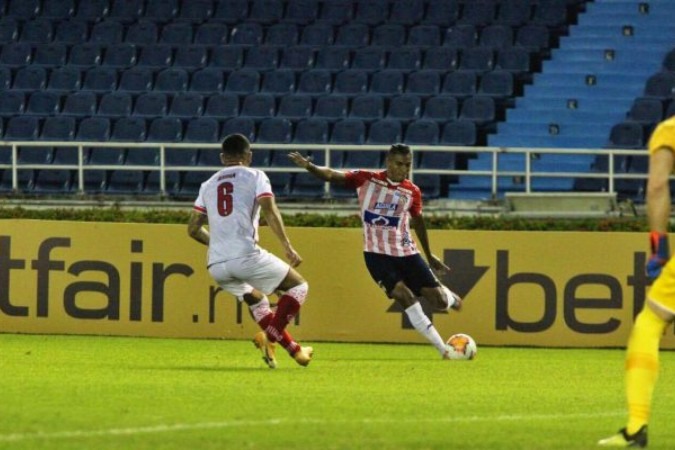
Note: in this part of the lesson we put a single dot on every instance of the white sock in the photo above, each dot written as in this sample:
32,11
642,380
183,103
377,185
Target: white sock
424,326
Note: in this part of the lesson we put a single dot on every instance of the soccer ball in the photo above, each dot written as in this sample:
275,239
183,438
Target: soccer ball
461,346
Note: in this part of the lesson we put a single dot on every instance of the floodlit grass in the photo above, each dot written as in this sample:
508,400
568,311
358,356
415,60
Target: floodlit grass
82,392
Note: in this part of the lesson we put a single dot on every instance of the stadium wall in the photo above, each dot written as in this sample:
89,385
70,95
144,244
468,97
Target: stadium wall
576,289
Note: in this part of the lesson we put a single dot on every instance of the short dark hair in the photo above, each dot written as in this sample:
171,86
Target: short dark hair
235,145
399,149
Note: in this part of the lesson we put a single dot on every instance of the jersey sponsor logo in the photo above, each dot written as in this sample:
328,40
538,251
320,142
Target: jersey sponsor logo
380,220
385,205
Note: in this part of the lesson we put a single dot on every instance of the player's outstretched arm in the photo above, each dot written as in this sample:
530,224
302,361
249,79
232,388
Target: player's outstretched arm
196,228
324,173
273,217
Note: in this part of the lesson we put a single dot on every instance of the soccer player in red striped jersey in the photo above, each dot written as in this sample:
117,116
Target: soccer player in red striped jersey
391,204
230,203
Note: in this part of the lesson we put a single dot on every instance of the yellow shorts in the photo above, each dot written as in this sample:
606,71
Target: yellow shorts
662,291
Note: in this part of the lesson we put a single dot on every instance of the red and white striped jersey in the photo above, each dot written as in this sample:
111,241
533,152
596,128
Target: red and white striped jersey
386,208
230,200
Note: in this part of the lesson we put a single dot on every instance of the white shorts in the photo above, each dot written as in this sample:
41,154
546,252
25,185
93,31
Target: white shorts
262,271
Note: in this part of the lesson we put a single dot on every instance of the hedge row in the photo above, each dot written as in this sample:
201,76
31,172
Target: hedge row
434,221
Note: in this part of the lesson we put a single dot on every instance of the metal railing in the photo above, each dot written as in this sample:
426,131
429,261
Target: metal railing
526,175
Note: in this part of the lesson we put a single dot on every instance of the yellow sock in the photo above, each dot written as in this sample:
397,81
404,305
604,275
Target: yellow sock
642,366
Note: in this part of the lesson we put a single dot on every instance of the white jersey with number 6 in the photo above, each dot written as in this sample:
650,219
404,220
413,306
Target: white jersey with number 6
230,200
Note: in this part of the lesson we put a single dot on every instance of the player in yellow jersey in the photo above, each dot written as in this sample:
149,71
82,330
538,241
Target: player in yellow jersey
642,354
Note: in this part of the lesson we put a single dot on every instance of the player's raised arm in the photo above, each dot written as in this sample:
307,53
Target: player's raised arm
324,173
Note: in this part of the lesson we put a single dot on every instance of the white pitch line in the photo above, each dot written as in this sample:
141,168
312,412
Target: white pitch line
156,429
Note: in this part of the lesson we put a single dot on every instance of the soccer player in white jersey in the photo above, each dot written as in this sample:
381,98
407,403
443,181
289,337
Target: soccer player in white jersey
390,203
230,203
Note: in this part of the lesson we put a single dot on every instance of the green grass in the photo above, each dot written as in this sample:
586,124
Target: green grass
81,392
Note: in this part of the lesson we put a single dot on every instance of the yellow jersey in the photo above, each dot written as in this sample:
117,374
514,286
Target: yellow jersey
663,136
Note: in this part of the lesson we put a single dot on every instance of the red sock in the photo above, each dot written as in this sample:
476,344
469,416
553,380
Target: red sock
287,309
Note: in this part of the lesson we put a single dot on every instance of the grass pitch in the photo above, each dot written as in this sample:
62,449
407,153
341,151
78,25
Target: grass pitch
83,392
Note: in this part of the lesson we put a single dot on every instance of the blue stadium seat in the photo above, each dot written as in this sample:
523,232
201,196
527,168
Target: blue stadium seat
552,13
436,160
258,106
24,9
422,132
212,33
9,30
319,34
660,85
281,183
166,129
94,129
349,131
70,32
126,11
533,37
367,107
369,58
136,79
275,130
190,57
315,81
442,12
405,107
282,34
209,157
131,129
196,11
440,58
646,111
627,135
120,56
127,182
337,12
479,59
58,9
280,81
302,11
143,32
54,181
207,80
93,10
331,107
106,33
100,79
37,31
177,33
496,36
388,82
423,82
50,55
172,80
371,159
246,33
295,106
406,59
478,12
64,79
459,132
202,129
35,155
222,106
171,186
95,181
227,57
115,104
351,82
30,78
151,104
266,11
461,36
106,156
353,35
407,12
12,103
161,10
424,35
80,103
156,56
231,11
385,131
58,128
333,58
306,185
297,58
513,13
242,125
429,184
142,156
243,81
311,131
187,105
44,103
498,84
262,58
441,108
479,109
372,12
180,156
65,156
515,60
389,35
5,78
461,84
